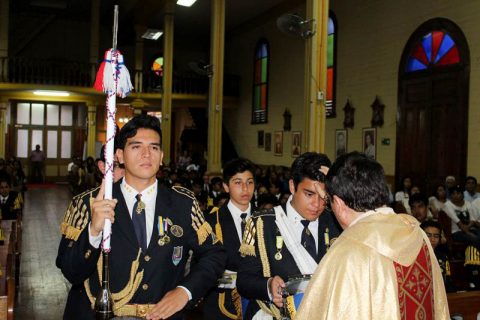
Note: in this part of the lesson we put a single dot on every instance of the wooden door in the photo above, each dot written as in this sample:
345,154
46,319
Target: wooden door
432,118
432,129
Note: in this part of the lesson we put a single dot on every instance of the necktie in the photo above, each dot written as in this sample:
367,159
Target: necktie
308,241
139,224
243,223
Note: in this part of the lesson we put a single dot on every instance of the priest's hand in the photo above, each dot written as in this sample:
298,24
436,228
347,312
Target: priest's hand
276,286
174,301
101,209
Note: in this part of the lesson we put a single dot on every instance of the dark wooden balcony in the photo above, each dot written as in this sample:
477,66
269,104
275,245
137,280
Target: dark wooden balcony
67,73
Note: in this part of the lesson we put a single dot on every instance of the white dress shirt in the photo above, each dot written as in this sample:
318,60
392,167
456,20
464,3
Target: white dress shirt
297,226
235,212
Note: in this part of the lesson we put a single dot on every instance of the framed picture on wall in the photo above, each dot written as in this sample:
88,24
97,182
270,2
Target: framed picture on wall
268,141
278,143
369,142
340,142
296,143
260,138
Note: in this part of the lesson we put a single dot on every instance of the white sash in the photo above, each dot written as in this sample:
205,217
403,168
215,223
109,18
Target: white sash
303,259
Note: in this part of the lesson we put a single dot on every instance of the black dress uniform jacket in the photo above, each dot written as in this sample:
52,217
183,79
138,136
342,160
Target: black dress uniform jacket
225,230
12,207
137,277
256,268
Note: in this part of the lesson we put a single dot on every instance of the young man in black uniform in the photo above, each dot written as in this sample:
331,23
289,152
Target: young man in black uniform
152,232
287,240
10,201
223,302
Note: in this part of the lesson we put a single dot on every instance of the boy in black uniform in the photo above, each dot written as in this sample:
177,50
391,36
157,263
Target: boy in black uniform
288,240
223,302
10,201
153,229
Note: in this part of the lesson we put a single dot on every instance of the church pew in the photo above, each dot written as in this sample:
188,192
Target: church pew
7,267
465,304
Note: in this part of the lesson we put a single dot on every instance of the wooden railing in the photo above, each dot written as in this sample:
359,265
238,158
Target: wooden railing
80,74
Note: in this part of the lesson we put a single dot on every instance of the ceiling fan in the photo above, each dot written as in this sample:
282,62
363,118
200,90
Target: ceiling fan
295,25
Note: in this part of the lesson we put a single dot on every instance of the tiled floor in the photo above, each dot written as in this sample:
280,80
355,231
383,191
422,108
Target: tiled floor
43,290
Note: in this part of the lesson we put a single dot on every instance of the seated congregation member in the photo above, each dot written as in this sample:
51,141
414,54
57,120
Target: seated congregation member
433,230
153,230
465,218
366,274
287,240
419,207
438,200
471,193
11,202
402,196
228,221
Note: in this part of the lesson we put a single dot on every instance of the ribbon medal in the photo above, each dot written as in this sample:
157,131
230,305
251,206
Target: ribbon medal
163,225
279,245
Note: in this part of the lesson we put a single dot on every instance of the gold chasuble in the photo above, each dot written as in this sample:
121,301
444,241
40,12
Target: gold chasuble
381,267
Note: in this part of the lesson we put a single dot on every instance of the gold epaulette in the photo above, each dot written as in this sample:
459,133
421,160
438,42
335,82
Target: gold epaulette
263,212
472,256
184,191
201,227
77,216
247,248
218,227
17,204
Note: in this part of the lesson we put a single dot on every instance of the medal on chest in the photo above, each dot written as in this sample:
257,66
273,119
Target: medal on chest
279,246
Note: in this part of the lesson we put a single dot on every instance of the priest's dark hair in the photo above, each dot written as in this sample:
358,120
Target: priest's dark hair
308,166
142,121
359,181
238,165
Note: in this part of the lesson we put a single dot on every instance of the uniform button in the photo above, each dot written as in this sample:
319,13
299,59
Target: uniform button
147,258
87,254
145,286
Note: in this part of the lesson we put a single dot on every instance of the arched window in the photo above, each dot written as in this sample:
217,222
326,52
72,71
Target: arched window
436,48
260,83
331,65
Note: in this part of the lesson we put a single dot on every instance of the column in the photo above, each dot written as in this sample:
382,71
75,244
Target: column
92,129
4,21
215,104
3,127
316,77
94,38
167,80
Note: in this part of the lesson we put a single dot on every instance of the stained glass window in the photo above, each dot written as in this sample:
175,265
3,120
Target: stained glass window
260,83
436,48
331,54
157,66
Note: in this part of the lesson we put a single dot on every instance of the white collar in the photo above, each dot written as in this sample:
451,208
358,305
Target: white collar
381,210
235,211
132,192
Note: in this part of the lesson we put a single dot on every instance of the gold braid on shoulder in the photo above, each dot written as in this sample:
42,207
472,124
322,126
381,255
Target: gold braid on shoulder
218,227
77,216
201,227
